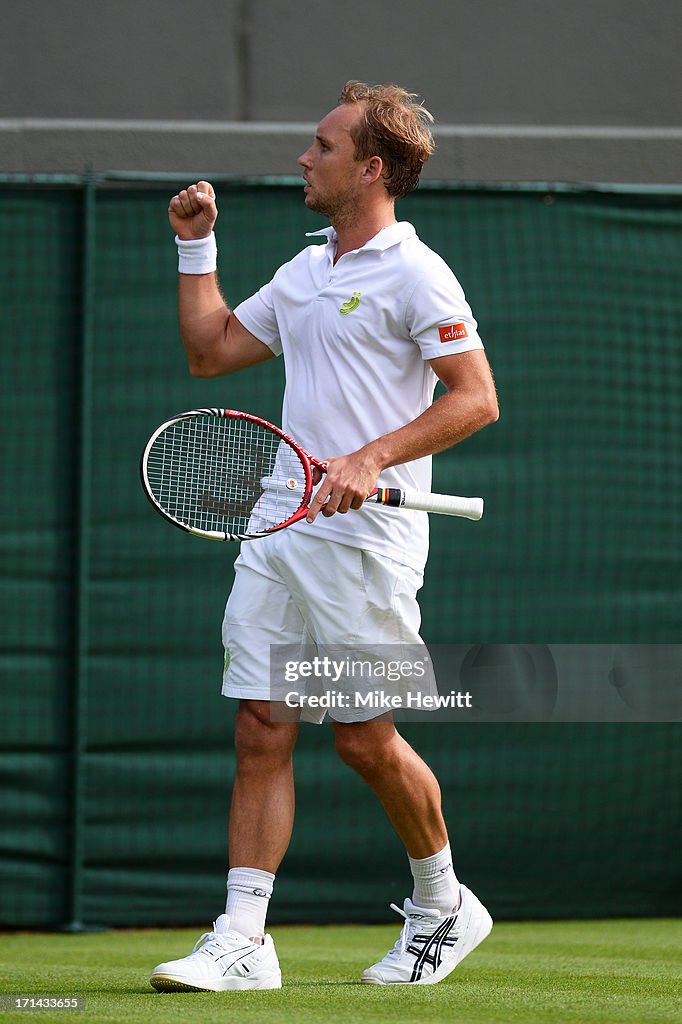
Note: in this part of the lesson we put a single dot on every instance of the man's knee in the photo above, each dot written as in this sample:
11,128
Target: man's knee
259,738
364,747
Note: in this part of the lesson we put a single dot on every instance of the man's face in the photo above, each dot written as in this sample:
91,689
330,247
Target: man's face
331,172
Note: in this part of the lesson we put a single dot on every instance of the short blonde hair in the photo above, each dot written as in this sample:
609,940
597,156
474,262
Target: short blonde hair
394,126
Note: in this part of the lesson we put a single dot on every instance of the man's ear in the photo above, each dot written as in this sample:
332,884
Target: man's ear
373,170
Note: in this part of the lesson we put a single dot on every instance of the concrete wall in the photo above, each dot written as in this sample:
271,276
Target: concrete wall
166,85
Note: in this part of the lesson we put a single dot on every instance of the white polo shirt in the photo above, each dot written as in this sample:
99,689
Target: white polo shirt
355,336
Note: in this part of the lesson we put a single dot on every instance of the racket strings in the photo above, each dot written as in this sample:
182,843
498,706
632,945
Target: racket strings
219,474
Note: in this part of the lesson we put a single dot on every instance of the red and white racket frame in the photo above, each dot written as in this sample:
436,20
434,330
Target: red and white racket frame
393,497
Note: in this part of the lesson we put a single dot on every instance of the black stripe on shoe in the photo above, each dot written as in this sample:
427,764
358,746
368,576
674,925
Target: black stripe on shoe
428,948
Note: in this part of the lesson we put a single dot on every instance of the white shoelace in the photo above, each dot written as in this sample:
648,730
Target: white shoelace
207,937
405,934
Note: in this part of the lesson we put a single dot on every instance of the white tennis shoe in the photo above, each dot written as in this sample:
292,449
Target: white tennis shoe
431,944
221,960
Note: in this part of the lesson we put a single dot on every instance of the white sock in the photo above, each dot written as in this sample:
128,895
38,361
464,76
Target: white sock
248,895
435,882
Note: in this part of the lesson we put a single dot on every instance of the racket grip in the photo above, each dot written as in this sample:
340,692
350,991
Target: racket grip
445,504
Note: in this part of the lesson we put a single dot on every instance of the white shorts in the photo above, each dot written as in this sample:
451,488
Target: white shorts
307,592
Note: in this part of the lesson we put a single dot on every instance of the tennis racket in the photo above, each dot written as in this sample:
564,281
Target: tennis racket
228,475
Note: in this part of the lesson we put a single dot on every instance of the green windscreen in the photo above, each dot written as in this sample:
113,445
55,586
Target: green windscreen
116,755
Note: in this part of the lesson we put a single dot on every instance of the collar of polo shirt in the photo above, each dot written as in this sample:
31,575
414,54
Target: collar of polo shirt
383,239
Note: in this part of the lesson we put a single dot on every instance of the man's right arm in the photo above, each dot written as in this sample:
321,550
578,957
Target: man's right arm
215,341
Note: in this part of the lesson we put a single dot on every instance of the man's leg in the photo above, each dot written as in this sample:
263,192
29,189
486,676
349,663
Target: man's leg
237,954
262,809
410,794
405,785
261,814
260,611
443,920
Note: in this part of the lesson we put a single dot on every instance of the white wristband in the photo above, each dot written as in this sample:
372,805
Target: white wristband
197,255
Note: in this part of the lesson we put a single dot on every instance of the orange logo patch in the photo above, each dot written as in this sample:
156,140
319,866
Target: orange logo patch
453,332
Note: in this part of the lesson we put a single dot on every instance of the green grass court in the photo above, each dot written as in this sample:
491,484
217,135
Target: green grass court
570,972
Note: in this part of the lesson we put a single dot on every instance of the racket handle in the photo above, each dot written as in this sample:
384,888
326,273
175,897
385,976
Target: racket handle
423,501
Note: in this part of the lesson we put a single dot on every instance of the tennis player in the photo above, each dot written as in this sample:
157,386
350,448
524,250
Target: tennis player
368,319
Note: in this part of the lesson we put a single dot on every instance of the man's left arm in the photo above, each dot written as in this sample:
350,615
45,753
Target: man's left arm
469,403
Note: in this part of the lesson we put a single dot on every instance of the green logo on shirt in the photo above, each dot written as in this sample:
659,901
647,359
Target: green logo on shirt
352,303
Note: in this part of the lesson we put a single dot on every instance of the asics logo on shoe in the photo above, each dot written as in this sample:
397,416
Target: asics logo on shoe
226,959
227,965
427,949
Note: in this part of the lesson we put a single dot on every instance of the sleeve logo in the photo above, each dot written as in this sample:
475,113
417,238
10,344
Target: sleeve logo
453,332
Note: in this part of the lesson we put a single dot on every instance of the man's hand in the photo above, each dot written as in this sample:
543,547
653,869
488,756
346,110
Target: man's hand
193,212
348,481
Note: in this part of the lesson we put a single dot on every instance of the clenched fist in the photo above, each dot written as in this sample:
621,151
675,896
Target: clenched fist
193,212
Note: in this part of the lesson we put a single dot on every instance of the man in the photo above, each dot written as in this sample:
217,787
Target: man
366,323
